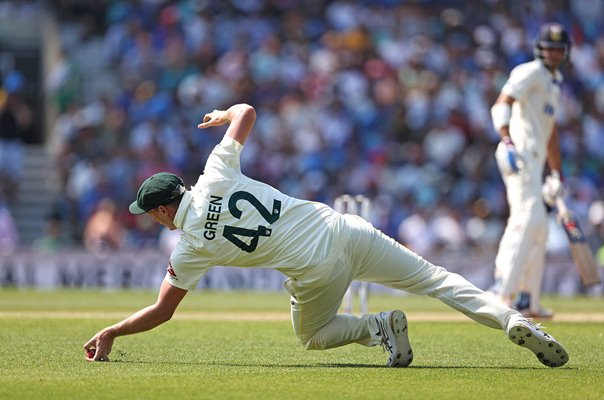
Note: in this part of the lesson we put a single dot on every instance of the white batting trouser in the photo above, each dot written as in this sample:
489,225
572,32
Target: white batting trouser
364,253
521,256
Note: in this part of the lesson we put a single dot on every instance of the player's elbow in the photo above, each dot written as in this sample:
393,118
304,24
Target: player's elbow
164,314
248,112
167,316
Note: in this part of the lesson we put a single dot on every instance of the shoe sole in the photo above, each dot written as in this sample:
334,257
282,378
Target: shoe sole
403,356
547,349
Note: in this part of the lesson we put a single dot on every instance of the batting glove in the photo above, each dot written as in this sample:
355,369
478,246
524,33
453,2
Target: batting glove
552,188
508,158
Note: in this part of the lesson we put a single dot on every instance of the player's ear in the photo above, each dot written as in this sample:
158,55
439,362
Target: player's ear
168,211
163,210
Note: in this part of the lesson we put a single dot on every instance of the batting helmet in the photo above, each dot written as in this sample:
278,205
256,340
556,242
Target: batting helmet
552,36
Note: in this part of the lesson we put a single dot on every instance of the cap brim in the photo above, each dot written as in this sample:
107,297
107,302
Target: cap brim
135,209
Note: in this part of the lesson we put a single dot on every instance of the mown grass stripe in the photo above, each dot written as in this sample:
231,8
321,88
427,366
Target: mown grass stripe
265,316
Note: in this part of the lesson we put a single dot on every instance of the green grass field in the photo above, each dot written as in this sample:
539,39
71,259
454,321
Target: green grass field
241,345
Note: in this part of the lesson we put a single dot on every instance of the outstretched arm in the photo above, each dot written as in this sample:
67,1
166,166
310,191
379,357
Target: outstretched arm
240,117
143,320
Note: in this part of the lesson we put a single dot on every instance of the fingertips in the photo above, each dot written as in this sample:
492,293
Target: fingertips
93,355
90,353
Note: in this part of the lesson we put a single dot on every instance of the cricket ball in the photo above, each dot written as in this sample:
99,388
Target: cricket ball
90,353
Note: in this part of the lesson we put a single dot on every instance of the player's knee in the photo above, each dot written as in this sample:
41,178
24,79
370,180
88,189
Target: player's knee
306,342
311,343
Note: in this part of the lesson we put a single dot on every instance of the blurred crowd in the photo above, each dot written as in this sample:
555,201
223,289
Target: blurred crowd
385,98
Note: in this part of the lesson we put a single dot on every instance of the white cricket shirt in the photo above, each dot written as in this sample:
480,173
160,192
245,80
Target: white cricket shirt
537,94
228,219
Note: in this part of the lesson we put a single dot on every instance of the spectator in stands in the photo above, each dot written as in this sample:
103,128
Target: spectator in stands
8,230
389,85
52,240
15,117
104,231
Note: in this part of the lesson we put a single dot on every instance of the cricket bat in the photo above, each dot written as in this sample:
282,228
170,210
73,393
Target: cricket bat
579,249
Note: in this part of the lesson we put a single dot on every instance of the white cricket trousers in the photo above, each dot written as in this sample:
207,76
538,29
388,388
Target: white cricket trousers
520,260
364,253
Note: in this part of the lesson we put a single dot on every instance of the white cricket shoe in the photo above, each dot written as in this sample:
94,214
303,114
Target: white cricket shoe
546,347
395,337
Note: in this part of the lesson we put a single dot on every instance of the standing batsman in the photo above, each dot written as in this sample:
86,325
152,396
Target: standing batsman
524,115
229,219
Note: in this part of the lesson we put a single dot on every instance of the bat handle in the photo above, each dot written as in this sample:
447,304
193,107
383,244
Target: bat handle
562,208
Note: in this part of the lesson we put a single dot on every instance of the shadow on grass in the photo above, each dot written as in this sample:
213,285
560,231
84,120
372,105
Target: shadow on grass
339,365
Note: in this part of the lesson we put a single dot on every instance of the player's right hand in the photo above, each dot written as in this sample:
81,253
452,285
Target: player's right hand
508,158
215,118
513,158
100,345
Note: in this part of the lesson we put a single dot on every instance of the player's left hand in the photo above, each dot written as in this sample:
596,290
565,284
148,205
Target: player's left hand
101,345
215,118
552,188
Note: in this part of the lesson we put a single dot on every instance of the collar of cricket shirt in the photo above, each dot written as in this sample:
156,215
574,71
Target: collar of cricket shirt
555,74
179,218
